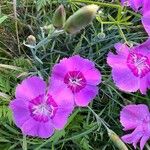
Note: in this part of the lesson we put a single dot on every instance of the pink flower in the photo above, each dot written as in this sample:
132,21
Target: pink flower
80,76
146,21
142,6
131,67
137,118
37,112
134,4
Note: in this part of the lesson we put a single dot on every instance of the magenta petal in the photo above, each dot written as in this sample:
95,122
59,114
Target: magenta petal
61,117
116,61
144,84
122,49
134,137
92,76
30,127
83,97
37,129
45,130
144,139
74,63
146,22
30,88
125,80
20,112
132,115
78,63
60,91
146,6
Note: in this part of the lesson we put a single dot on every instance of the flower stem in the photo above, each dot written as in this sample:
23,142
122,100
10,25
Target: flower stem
97,3
24,145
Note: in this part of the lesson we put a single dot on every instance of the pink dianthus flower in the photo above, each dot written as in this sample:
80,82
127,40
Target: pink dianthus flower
80,76
38,112
131,67
137,118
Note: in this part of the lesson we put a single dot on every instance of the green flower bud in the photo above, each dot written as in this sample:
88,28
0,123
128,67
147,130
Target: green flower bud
59,17
31,40
48,29
81,18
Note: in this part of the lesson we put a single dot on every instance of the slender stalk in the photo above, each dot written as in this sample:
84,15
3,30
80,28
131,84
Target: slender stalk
16,24
98,3
99,119
24,145
122,34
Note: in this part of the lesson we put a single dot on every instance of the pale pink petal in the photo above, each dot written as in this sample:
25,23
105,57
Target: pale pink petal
132,115
30,88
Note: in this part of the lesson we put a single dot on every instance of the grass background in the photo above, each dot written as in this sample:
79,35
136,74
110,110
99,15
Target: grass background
113,24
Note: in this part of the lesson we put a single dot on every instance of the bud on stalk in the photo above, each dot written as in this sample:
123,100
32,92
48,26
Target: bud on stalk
31,40
59,17
116,140
81,18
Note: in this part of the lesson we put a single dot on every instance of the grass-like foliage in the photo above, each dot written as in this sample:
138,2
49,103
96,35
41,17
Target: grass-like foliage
84,130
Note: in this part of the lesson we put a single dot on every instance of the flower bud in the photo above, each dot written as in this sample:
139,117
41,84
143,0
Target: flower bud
59,17
48,29
31,40
81,18
116,140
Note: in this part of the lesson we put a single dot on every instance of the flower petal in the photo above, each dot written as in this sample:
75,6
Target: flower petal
144,139
74,63
116,60
92,76
132,115
146,22
125,79
61,117
144,84
86,95
134,137
122,49
20,111
30,88
37,129
45,130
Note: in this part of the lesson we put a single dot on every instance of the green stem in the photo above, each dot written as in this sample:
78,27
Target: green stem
24,146
122,34
97,3
99,119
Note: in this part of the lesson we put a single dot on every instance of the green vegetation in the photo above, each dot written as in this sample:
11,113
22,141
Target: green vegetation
113,24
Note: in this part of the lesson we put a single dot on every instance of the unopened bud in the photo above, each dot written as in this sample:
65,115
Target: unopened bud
31,40
59,17
81,18
116,140
48,29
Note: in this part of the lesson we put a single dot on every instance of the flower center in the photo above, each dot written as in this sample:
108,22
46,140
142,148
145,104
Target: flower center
42,108
139,64
75,81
